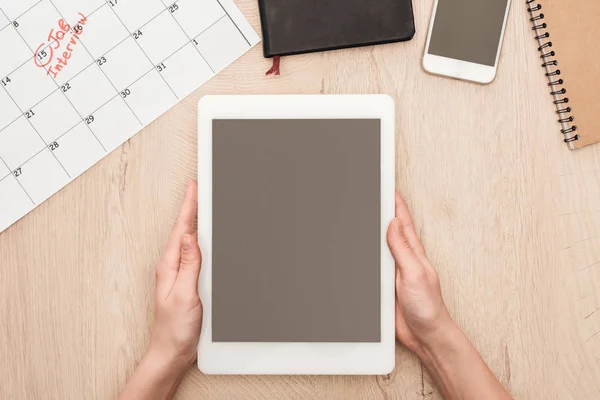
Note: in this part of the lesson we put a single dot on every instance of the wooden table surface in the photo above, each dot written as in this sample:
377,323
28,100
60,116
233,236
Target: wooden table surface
509,216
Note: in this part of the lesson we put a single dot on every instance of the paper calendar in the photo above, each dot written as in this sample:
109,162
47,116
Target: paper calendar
80,77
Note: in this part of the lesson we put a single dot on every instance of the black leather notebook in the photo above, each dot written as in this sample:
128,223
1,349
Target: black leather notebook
304,26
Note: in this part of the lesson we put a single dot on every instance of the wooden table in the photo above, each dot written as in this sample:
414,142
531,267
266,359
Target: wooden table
508,215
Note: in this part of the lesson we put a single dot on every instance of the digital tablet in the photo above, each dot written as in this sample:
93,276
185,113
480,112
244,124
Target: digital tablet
295,197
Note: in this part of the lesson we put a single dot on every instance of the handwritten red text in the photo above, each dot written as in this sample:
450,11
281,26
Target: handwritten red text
54,54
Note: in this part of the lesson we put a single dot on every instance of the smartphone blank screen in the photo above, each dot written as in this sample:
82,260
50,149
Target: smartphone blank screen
296,245
468,30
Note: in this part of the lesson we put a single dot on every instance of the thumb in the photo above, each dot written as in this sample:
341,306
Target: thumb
406,259
191,258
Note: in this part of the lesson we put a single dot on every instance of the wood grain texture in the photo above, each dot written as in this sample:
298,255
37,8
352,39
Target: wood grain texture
508,215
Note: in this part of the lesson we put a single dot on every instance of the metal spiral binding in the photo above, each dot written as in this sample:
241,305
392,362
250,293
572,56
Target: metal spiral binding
552,71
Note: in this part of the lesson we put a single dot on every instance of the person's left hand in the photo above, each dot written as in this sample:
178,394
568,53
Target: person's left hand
178,311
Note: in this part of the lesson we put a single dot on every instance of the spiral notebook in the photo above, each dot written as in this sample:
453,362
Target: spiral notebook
567,35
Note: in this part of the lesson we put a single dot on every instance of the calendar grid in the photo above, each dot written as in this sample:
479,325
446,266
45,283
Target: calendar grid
24,62
191,40
19,183
234,23
99,67
23,112
29,159
207,28
48,138
66,97
28,59
52,42
73,127
7,167
94,62
51,93
49,43
102,106
73,77
140,47
20,15
36,131
188,36
150,20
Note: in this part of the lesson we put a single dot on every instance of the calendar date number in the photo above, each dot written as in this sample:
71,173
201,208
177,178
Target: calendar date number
29,114
53,146
173,8
138,34
89,119
101,61
5,81
42,54
17,172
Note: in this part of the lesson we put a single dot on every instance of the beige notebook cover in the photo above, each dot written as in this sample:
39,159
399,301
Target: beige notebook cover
568,35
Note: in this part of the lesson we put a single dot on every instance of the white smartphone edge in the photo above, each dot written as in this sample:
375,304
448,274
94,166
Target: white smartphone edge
460,69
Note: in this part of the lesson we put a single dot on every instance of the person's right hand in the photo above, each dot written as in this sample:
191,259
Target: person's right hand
420,308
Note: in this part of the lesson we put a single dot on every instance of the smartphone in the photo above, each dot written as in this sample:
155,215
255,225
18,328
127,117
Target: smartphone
465,38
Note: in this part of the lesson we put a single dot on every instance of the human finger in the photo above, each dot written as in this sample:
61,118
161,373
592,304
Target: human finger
183,224
168,265
408,226
189,270
406,259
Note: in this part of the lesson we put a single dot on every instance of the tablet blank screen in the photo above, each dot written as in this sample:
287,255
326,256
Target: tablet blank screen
296,231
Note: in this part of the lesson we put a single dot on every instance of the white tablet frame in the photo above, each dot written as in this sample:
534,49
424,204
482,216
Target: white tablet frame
296,358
